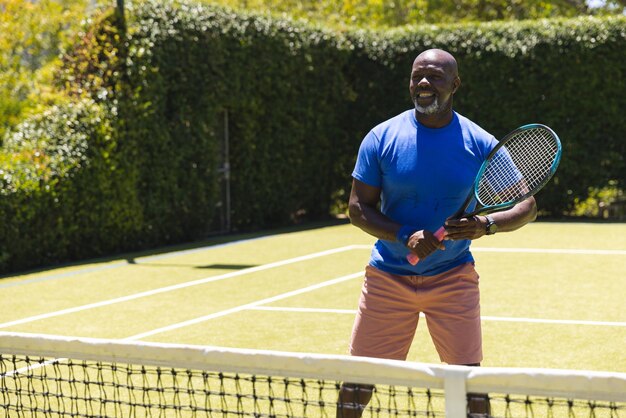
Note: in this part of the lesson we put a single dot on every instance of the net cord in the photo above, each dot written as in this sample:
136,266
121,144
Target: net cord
589,385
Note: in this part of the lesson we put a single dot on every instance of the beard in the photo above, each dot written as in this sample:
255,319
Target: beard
431,109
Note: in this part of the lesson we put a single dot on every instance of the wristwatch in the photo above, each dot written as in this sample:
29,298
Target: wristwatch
491,227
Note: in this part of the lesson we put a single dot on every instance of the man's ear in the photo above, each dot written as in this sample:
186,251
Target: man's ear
456,83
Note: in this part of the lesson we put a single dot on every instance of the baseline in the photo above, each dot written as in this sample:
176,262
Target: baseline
531,250
484,318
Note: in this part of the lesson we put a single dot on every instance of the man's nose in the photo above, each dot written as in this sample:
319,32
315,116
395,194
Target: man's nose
423,82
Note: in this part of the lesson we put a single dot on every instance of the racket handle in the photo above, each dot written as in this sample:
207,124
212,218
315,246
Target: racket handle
414,259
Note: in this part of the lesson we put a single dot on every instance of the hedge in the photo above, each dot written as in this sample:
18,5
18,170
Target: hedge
61,189
149,98
567,74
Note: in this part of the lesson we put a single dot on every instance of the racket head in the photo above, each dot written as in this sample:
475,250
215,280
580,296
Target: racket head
517,168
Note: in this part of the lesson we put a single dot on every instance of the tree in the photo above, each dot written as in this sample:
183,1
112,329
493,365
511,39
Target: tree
609,6
391,13
38,30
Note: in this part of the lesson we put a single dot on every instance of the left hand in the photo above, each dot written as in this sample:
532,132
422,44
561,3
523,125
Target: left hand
465,228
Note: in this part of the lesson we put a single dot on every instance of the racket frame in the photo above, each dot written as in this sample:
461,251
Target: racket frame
473,195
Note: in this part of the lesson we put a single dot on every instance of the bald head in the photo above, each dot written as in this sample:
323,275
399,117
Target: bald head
434,81
441,58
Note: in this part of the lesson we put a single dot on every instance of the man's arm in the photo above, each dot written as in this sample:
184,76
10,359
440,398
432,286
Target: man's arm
364,213
508,220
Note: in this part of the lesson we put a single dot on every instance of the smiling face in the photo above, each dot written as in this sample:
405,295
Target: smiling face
434,80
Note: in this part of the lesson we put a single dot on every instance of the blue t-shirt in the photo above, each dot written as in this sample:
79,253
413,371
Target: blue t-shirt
424,175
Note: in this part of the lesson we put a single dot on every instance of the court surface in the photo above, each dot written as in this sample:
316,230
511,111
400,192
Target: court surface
553,295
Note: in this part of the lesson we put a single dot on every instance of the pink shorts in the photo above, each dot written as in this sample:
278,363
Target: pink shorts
389,310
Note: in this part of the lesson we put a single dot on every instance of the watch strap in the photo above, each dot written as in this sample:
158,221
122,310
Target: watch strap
491,226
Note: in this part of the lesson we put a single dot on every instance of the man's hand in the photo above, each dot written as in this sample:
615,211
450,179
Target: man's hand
423,243
465,228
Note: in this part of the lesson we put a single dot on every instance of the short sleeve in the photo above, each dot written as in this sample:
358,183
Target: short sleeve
367,168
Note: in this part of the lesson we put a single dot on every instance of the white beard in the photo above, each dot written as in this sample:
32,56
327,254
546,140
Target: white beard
431,109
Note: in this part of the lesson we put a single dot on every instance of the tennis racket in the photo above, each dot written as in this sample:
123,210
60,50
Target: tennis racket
517,168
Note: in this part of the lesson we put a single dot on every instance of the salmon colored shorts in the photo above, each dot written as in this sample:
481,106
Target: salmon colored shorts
389,310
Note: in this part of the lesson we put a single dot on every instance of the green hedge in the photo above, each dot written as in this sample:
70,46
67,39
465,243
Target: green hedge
299,101
567,74
62,194
281,84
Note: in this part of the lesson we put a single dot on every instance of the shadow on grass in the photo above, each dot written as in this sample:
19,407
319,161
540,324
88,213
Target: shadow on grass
122,259
208,266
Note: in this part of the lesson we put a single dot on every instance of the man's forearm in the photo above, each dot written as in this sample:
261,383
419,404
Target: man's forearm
516,217
372,221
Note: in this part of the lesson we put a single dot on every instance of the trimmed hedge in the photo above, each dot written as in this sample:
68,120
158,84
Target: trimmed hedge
61,190
567,74
146,141
281,84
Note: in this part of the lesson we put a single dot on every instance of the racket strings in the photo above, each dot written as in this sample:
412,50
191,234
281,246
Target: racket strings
523,164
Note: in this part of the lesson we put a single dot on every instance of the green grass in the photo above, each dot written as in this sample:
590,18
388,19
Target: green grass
514,285
235,285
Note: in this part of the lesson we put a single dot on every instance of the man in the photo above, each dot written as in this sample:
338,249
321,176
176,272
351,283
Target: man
419,167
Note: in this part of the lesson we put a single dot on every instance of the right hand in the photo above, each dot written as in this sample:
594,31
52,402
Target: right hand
423,243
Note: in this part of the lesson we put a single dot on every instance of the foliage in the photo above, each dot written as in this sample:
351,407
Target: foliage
61,189
563,73
300,98
394,13
28,57
168,126
42,30
277,80
605,202
144,105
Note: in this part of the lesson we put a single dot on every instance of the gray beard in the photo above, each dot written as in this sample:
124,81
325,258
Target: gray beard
431,109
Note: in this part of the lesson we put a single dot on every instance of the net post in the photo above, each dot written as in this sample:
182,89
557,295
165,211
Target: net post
455,391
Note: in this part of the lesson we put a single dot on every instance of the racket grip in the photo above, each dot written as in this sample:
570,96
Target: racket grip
439,234
413,259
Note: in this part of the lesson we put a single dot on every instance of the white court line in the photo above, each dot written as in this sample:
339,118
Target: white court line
548,251
144,259
531,250
484,318
176,287
265,267
32,367
272,265
257,305
246,306
303,310
555,321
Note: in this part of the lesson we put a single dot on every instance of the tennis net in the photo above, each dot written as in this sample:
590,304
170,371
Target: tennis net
55,376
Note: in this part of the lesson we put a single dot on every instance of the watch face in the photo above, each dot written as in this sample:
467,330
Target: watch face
492,227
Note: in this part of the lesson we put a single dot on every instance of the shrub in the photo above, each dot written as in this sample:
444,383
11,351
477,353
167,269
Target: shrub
131,161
